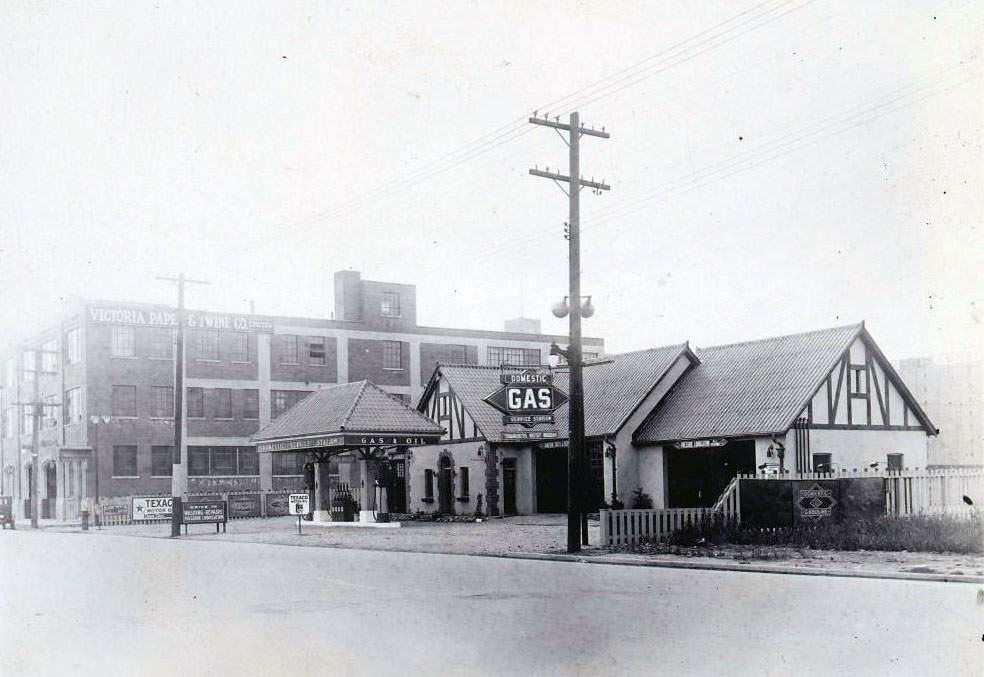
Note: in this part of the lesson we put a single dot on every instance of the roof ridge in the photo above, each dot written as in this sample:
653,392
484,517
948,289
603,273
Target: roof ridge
855,326
355,403
610,356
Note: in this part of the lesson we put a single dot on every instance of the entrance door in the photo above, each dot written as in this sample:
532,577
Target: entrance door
396,490
51,480
551,480
696,477
445,486
509,486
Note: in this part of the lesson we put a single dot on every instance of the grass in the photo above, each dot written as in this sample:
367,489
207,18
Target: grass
913,534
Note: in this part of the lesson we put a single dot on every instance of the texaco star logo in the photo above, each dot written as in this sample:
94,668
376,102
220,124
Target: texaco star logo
816,502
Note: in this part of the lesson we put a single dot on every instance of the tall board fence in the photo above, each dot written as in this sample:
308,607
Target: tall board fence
955,492
118,511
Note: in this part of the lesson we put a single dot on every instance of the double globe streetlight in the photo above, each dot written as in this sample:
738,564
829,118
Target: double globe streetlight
563,308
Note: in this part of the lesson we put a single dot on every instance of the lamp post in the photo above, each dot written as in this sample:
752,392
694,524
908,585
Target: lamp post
577,523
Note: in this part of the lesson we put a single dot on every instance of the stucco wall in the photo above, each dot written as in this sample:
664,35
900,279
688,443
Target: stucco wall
851,449
636,466
652,477
463,454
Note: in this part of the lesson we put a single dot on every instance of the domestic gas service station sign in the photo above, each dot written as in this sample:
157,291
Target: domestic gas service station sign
527,398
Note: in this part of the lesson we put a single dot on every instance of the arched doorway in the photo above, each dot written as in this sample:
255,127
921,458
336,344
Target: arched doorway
445,484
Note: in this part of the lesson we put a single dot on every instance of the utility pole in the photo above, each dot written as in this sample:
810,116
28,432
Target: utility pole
577,525
179,469
37,406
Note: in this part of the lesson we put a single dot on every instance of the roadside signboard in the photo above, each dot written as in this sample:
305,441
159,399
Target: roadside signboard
204,512
300,505
244,505
151,508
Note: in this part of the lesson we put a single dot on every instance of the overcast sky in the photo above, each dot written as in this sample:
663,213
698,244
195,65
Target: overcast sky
775,167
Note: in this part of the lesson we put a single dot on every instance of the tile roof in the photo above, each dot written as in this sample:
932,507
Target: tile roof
360,407
613,387
748,388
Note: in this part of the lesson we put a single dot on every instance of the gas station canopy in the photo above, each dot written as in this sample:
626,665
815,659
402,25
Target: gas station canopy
346,416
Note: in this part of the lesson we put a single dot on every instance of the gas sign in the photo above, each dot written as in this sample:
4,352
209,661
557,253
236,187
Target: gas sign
526,399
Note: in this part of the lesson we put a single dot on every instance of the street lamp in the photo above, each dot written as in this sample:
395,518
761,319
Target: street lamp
562,308
577,464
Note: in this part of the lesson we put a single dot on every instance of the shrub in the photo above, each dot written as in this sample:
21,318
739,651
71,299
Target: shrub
641,500
916,534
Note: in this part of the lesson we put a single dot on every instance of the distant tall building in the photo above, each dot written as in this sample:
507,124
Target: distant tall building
106,373
952,393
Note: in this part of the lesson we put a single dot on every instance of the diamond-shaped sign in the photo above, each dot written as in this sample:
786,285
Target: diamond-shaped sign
527,399
816,502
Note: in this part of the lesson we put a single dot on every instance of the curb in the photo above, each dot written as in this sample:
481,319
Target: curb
656,564
753,568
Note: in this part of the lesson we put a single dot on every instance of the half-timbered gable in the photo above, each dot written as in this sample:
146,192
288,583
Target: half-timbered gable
443,406
864,391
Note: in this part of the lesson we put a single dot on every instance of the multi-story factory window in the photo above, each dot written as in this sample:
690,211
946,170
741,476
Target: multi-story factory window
161,461
9,422
251,403
163,401
29,365
122,342
125,401
50,419
162,343
223,403
208,345
125,461
239,347
282,400
289,463
288,349
499,355
73,405
390,304
49,356
223,461
73,345
196,403
316,350
392,355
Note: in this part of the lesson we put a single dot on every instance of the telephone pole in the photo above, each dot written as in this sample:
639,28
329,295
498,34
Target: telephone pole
37,406
179,470
577,525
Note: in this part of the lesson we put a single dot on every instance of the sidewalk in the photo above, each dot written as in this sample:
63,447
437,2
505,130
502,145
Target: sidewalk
545,537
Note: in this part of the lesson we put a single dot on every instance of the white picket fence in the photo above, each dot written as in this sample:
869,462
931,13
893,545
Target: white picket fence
907,493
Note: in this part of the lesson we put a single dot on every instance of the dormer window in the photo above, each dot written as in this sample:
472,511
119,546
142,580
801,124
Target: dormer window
390,305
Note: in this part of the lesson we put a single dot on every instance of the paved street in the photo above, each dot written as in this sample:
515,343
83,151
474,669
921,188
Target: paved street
114,605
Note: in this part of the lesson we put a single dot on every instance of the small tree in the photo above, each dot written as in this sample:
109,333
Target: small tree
641,500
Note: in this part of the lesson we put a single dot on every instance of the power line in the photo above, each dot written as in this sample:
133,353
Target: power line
653,65
934,83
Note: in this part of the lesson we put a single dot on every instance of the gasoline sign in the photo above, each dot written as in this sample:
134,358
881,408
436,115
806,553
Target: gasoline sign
300,504
526,399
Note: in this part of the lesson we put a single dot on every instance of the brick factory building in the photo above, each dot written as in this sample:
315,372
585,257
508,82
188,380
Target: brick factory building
106,371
